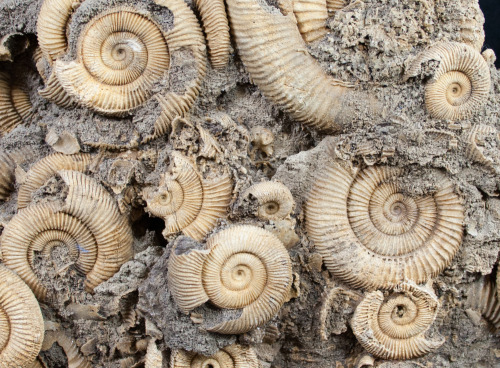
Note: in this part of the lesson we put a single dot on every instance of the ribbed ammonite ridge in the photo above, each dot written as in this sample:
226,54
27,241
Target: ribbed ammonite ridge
15,104
233,356
394,327
7,177
89,223
311,18
73,354
483,297
461,83
186,201
371,235
243,267
275,200
46,168
21,322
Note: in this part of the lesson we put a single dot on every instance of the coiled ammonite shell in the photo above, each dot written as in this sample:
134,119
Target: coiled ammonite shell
243,267
394,327
483,297
233,356
21,322
311,18
187,202
7,177
89,224
371,235
275,200
461,83
46,168
15,104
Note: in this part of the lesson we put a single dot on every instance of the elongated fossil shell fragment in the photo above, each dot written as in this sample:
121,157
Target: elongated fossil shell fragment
242,267
311,18
232,356
7,176
473,151
15,105
154,358
216,26
187,202
335,5
275,200
73,354
371,235
483,297
461,83
89,224
21,322
46,168
394,327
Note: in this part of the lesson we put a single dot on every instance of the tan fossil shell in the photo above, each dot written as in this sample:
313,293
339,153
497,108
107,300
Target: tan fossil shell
15,104
262,139
461,83
275,200
65,142
483,297
7,176
89,223
36,364
21,322
73,354
371,235
335,5
187,202
154,358
394,327
210,146
474,152
274,54
243,267
311,18
215,24
232,356
46,168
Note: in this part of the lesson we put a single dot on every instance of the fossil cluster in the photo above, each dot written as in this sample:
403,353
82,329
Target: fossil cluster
248,184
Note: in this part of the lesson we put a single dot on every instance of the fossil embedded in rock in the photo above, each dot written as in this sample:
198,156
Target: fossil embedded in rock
186,201
232,356
460,84
242,267
474,150
75,358
21,322
335,5
89,224
372,235
394,327
311,18
275,200
15,104
262,139
483,297
154,357
7,177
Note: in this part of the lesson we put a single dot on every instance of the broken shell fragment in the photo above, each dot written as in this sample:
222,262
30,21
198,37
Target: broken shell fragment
483,297
154,357
474,150
311,18
242,267
65,142
7,175
73,354
275,200
15,104
233,356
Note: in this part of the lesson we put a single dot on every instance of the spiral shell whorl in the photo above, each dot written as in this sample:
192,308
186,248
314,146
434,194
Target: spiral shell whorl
233,356
311,18
275,200
15,105
7,177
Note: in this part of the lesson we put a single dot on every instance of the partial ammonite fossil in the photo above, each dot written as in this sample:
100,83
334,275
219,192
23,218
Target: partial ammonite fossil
154,357
232,356
46,168
73,354
335,5
275,200
88,223
475,141
311,18
15,104
7,175
21,322
483,297
242,267
460,84
186,201
372,235
394,327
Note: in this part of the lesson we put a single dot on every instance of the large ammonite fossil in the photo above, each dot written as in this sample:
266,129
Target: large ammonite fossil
459,86
115,60
372,235
242,267
186,201
394,327
275,200
88,223
232,356
21,322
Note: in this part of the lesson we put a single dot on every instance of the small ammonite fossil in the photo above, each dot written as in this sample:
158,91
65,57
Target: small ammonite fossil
372,235
394,327
186,201
232,356
275,200
21,322
242,267
88,223
15,104
460,84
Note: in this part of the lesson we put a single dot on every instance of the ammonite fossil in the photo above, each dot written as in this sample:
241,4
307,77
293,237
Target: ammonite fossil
474,150
483,297
73,354
88,223
311,18
275,200
242,267
460,84
7,177
232,356
154,357
186,201
372,235
15,104
394,327
21,322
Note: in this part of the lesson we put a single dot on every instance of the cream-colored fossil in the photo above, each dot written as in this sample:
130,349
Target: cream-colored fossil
46,168
483,297
232,356
262,139
154,357
53,91
372,235
460,84
21,322
88,223
186,201
311,18
394,327
73,354
475,139
242,267
210,147
15,104
335,5
215,24
7,178
275,200
65,142
36,364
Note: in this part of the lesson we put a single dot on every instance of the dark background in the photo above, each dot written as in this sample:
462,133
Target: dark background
491,10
